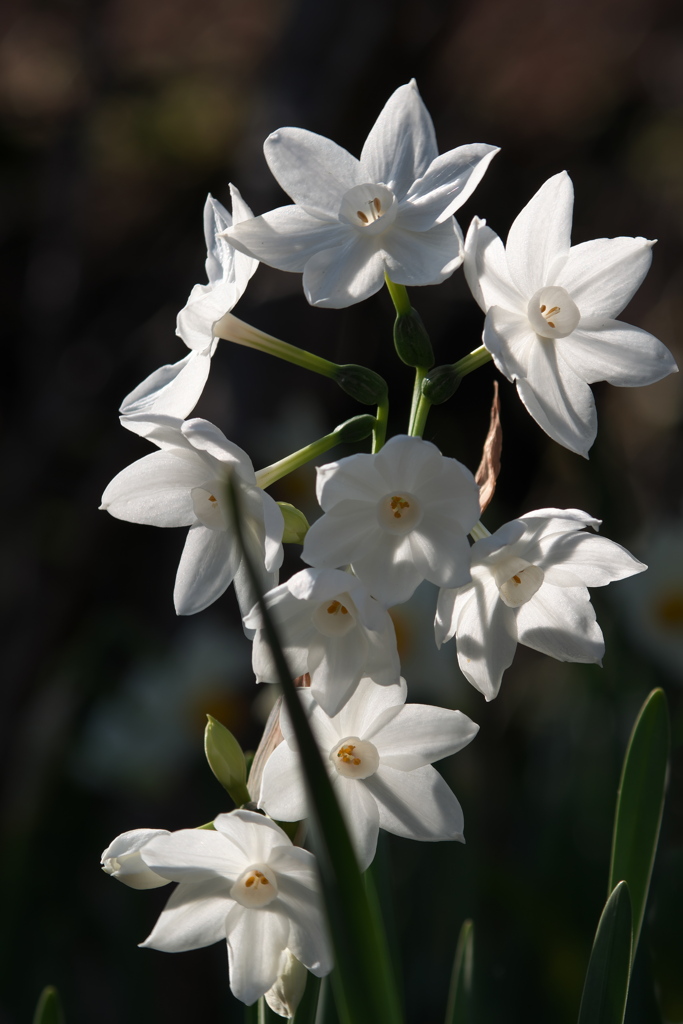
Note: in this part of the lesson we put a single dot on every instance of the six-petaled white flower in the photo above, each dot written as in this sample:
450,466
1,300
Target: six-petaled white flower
550,310
186,484
353,220
331,628
528,586
378,751
244,882
398,517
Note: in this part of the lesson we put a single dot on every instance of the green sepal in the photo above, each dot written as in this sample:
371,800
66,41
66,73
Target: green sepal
356,429
49,1008
366,386
226,760
441,383
605,988
411,340
296,524
640,802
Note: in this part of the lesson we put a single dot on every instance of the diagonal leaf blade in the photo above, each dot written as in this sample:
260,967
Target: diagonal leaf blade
49,1008
640,802
364,987
459,1006
609,969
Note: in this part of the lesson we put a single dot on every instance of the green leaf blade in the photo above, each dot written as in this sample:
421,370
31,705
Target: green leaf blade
605,987
49,1008
640,803
459,1008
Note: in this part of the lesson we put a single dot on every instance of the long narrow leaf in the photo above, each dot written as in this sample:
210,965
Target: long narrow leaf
364,988
49,1009
640,803
606,985
459,1006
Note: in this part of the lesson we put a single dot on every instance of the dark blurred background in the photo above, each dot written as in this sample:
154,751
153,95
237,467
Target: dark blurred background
116,118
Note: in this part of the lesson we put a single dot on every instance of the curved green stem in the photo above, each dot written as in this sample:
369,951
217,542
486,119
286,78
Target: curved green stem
479,357
420,374
399,296
380,432
269,474
420,418
230,328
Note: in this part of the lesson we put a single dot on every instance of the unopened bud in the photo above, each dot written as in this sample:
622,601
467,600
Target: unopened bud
441,384
226,760
285,995
366,386
356,429
296,524
122,859
412,341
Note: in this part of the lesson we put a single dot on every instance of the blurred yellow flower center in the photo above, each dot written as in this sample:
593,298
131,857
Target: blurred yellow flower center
355,758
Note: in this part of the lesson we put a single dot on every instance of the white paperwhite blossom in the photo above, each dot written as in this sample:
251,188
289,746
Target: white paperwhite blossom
122,859
244,882
353,220
331,628
398,517
529,586
175,389
550,310
378,752
186,484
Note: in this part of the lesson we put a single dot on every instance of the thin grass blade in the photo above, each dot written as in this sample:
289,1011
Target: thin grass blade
459,1006
49,1008
605,988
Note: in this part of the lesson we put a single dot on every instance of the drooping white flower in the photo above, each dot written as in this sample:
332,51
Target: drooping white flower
332,629
352,220
122,859
175,389
378,752
285,995
186,484
247,883
529,586
398,517
550,310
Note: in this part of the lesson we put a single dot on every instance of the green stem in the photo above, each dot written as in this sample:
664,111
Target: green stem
420,374
479,531
473,361
267,476
420,418
399,296
379,434
230,328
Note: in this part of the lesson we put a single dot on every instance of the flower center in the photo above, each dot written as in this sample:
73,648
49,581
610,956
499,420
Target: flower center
355,758
336,617
207,507
553,313
256,887
399,513
369,207
518,581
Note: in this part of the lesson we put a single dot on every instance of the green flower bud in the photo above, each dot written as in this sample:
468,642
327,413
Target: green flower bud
296,524
356,429
226,760
441,384
412,341
366,386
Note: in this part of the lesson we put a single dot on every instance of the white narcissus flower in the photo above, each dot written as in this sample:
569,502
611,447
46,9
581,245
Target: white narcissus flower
353,220
186,484
244,882
378,751
528,586
175,389
122,859
398,517
332,629
550,310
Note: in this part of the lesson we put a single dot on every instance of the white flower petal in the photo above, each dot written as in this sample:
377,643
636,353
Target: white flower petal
313,170
367,710
155,490
560,402
192,855
251,833
194,917
416,804
361,814
287,238
389,571
256,938
510,339
283,795
486,270
420,734
485,636
560,622
441,552
596,561
348,526
539,239
604,274
448,182
401,144
172,390
616,352
122,859
207,566
422,257
348,273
